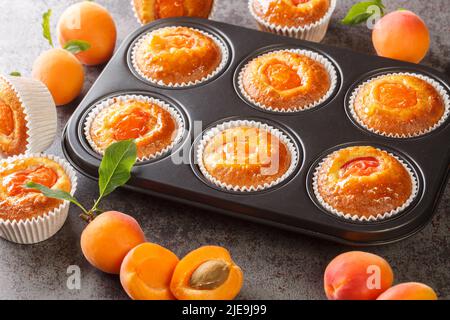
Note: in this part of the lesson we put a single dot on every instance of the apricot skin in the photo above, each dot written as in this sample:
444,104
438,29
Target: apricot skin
108,238
146,272
401,35
409,291
346,276
90,22
61,72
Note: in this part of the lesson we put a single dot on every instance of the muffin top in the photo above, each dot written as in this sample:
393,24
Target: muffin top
285,80
150,10
177,55
291,13
363,181
398,104
153,127
246,156
19,203
13,128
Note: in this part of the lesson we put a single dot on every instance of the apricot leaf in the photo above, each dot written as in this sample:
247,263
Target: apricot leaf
46,26
359,12
15,74
77,46
54,193
116,165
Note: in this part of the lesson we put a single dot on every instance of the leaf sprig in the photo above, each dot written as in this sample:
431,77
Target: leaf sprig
73,46
114,172
359,12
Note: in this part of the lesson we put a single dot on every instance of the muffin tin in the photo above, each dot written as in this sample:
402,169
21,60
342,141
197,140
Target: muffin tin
316,132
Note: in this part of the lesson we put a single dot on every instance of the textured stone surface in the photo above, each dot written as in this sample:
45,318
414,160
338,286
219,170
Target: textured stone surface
277,264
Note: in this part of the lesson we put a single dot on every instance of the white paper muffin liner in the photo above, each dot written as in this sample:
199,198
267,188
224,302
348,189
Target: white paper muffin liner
40,112
222,47
43,227
381,216
310,54
136,15
176,116
436,85
211,133
313,32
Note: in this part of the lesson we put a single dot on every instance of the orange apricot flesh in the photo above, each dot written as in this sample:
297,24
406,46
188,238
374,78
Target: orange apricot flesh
357,275
409,291
89,21
207,273
61,72
108,238
401,35
146,272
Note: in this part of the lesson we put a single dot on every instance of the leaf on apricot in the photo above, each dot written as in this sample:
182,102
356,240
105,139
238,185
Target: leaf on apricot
359,12
116,165
77,46
15,74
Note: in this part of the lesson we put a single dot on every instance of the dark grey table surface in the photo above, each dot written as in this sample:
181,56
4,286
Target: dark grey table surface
277,264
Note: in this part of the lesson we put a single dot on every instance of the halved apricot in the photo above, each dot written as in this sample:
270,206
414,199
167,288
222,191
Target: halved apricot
207,273
363,166
146,272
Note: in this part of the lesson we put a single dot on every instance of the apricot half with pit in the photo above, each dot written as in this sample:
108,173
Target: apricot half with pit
207,273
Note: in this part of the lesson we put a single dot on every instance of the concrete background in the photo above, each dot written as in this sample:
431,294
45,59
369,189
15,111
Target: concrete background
277,264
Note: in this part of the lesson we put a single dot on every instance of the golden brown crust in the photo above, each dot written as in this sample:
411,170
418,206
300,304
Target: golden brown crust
17,204
291,13
178,55
13,129
383,188
246,156
285,80
152,127
399,105
150,10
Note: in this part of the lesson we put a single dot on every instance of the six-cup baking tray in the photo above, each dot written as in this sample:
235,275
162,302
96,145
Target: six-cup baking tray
316,132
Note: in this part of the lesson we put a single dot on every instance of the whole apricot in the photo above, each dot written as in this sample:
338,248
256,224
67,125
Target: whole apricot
108,238
409,291
89,21
146,272
401,35
61,72
357,275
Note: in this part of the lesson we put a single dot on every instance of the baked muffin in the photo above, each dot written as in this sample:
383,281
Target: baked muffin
400,105
177,56
153,124
303,19
13,129
27,116
150,10
288,80
19,203
363,182
245,157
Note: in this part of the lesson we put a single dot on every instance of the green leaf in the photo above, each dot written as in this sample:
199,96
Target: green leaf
54,193
358,13
15,74
46,26
116,165
77,46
